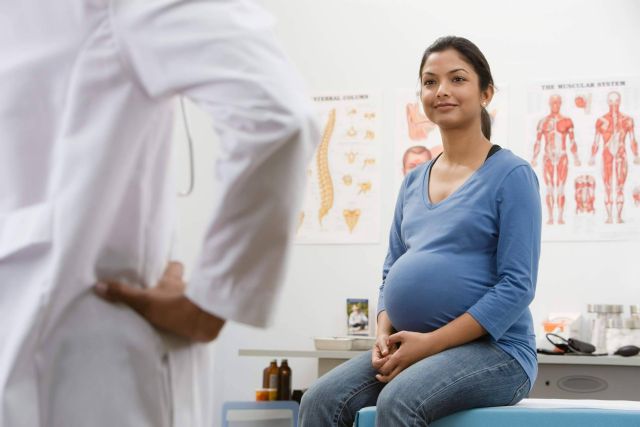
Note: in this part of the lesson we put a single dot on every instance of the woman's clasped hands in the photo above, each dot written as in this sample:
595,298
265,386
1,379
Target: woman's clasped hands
394,353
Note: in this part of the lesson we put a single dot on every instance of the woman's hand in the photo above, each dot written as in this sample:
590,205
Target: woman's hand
381,351
165,306
410,348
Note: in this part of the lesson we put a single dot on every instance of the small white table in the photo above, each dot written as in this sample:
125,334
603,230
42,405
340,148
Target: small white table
327,359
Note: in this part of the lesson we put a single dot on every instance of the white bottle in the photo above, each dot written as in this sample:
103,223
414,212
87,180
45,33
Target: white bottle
588,323
599,331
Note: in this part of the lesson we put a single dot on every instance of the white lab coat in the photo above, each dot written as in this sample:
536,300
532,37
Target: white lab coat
87,92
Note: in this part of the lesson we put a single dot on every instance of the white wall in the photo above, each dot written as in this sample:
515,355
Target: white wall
356,45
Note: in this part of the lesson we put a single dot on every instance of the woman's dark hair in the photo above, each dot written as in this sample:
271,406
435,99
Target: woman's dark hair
475,58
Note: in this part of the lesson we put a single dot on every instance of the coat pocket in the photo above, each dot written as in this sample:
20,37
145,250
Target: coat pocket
25,228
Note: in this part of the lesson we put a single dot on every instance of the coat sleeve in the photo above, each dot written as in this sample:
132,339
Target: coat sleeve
223,55
518,253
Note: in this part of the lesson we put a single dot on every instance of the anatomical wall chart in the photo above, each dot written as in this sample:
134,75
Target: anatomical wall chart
583,147
342,200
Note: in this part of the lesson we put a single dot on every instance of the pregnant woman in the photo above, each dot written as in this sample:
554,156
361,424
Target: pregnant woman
454,330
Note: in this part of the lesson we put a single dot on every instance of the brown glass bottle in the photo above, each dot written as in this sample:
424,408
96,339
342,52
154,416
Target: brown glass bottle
284,383
273,367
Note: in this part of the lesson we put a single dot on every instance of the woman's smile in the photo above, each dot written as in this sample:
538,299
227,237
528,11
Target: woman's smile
445,106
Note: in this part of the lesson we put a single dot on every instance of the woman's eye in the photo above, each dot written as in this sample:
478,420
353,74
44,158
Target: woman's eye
458,79
428,82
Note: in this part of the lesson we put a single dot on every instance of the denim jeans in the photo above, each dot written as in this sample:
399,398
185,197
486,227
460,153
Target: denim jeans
474,375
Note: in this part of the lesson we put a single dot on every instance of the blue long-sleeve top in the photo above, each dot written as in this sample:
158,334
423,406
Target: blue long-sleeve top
476,251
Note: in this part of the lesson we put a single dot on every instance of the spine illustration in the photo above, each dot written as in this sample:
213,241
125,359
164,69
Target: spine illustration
324,174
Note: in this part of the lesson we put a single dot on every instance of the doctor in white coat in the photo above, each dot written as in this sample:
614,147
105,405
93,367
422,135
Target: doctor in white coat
87,96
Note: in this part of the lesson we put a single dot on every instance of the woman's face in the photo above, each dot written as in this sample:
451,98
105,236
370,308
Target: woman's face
450,91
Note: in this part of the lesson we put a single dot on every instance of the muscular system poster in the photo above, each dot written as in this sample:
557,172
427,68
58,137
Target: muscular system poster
584,149
342,200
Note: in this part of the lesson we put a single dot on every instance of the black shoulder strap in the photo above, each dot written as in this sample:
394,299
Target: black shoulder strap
494,149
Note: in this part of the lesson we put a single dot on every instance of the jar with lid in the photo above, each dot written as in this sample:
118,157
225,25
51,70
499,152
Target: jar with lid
634,311
614,315
615,335
599,331
588,323
633,323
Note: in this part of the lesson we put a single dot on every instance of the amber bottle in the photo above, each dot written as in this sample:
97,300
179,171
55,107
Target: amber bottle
266,374
284,383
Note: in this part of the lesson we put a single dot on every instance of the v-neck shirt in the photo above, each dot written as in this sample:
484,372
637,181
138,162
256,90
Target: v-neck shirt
476,251
493,150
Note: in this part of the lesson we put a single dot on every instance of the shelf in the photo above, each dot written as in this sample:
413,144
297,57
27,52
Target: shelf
322,354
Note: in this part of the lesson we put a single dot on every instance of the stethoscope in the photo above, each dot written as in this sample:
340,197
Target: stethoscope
192,178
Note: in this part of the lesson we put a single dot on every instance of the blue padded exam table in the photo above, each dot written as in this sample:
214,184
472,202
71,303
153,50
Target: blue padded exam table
536,413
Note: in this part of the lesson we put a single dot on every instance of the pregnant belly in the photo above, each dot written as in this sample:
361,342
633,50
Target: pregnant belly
424,291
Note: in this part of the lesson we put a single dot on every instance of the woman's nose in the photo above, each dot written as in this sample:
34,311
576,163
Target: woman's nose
443,90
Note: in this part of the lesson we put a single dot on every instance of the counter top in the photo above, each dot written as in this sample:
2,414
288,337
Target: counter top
542,358
589,360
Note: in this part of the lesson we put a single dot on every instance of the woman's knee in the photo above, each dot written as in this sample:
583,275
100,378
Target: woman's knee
324,394
313,409
318,393
326,403
397,400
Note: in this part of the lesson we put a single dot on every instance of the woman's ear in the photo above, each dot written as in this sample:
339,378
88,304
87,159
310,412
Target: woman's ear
487,95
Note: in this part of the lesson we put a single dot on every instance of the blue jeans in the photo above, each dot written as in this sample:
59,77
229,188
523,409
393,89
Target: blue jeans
474,375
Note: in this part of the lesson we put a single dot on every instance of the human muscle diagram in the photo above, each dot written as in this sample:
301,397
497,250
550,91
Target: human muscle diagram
553,131
585,189
342,201
585,153
613,130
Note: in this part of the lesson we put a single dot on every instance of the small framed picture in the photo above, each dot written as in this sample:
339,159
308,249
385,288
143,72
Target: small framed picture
357,316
